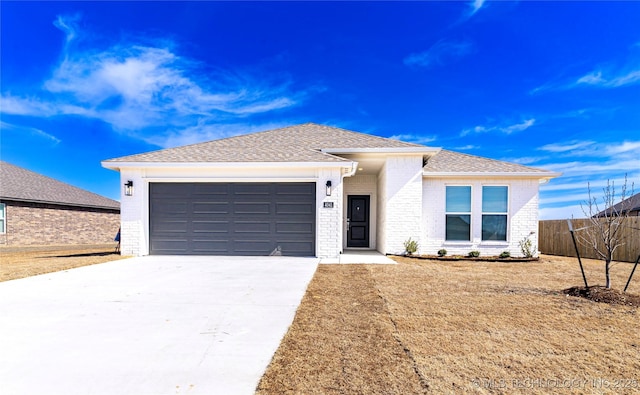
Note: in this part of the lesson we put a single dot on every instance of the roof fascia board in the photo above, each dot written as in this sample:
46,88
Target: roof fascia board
118,165
538,175
12,199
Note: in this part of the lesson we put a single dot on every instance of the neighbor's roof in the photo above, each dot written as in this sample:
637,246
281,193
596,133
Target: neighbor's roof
630,204
24,185
453,162
300,143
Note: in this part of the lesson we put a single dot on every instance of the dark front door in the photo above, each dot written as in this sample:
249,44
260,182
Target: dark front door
358,221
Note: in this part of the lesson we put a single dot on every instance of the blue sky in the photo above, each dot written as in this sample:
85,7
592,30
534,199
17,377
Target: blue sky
546,84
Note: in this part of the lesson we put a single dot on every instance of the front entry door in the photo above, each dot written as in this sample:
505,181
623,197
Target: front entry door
358,221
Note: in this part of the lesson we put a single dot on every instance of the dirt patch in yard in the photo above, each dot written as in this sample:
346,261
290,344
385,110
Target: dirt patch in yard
459,327
20,262
342,341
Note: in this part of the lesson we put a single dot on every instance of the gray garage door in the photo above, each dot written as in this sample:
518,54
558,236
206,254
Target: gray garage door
232,218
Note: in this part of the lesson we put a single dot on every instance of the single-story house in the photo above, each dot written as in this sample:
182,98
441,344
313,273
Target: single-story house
315,190
630,206
35,209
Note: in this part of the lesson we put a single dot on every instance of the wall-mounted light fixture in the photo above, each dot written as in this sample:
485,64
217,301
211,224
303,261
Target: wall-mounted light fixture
128,188
328,188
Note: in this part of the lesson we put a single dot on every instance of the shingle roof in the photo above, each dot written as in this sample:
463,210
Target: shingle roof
300,143
453,162
630,204
21,184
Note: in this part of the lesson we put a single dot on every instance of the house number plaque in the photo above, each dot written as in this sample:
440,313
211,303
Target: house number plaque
327,204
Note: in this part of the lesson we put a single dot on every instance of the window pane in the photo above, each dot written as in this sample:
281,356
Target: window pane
494,199
458,227
2,210
494,227
458,199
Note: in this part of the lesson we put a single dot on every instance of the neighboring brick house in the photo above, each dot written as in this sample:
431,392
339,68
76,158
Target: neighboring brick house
37,210
316,190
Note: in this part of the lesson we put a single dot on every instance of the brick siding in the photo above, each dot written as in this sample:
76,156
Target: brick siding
523,217
39,223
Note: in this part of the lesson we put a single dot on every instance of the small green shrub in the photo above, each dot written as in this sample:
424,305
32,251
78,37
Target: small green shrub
410,246
505,254
442,252
526,247
474,254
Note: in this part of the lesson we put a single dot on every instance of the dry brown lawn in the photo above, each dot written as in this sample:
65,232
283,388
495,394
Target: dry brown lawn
427,326
20,262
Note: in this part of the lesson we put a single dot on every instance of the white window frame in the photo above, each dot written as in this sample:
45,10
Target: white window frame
3,218
505,213
469,213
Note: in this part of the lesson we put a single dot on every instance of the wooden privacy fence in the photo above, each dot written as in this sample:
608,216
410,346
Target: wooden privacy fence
555,239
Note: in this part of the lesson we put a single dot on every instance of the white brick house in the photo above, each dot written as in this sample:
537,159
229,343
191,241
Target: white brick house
317,190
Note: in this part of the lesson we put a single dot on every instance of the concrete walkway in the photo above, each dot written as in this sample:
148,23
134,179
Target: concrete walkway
150,325
359,256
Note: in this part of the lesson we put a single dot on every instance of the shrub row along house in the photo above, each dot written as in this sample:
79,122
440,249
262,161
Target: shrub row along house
314,190
35,209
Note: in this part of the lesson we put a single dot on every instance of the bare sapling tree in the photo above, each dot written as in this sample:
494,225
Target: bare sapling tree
606,221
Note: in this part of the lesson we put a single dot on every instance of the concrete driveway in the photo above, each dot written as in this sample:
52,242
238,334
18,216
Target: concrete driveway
150,325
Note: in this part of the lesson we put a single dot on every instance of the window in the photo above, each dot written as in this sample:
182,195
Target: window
2,218
458,213
495,206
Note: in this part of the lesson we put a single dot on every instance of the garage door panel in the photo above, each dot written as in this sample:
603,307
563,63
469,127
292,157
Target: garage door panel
211,208
210,226
232,218
171,207
295,189
211,247
212,190
252,247
168,226
252,227
295,208
294,227
295,247
251,208
252,189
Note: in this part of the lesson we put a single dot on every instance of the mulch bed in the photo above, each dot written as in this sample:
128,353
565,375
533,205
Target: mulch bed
601,294
468,258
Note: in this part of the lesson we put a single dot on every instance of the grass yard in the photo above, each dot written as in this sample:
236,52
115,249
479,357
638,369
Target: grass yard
20,262
458,327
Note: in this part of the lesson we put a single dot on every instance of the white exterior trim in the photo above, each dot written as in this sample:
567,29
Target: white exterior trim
213,165
444,174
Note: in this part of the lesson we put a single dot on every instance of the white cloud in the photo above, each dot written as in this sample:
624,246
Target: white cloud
568,146
475,6
414,138
615,74
440,53
622,79
139,89
519,127
624,147
467,147
33,131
